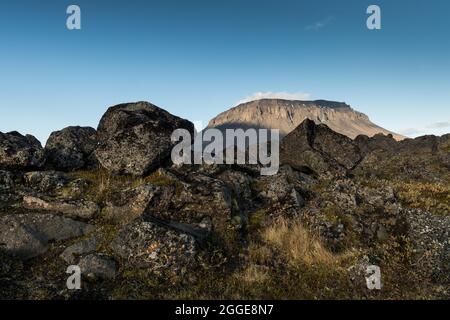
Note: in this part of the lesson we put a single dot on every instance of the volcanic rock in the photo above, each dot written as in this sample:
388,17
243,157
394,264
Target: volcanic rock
71,148
20,152
140,133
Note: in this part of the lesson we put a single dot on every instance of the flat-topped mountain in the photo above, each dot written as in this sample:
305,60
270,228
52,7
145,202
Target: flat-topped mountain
286,115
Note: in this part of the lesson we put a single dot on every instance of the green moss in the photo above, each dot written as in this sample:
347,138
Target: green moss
107,234
256,219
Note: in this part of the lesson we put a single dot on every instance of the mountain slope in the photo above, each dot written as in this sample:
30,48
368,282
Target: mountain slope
286,115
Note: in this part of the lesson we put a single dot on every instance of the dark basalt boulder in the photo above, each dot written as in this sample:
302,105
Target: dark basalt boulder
379,141
192,198
71,148
318,149
140,133
20,152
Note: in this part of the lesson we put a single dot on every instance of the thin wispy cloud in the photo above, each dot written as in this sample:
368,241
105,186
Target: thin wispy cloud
275,95
436,127
411,131
439,125
319,24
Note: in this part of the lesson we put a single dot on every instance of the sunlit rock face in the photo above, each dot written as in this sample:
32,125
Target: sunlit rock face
286,115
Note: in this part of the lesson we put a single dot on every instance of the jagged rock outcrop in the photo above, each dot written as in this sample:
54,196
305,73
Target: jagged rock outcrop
138,132
20,152
318,149
379,141
71,148
423,158
287,115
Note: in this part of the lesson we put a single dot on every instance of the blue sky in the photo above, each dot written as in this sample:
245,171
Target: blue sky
198,58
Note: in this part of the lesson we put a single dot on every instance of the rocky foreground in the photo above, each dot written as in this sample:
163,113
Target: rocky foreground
110,201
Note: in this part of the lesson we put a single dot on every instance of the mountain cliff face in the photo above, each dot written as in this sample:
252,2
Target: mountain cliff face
287,115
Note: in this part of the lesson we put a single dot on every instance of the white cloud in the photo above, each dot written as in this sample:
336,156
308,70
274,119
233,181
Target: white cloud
439,125
199,125
275,95
410,131
437,128
319,24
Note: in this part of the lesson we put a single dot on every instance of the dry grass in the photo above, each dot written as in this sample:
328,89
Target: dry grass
253,274
103,183
298,245
432,197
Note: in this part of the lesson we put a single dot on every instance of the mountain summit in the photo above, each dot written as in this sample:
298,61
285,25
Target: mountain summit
286,115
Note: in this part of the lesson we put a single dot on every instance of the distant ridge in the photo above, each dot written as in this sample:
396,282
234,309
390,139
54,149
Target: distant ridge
286,115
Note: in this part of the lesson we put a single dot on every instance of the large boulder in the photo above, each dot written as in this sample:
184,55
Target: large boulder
318,149
71,148
135,138
192,198
20,152
155,248
28,235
